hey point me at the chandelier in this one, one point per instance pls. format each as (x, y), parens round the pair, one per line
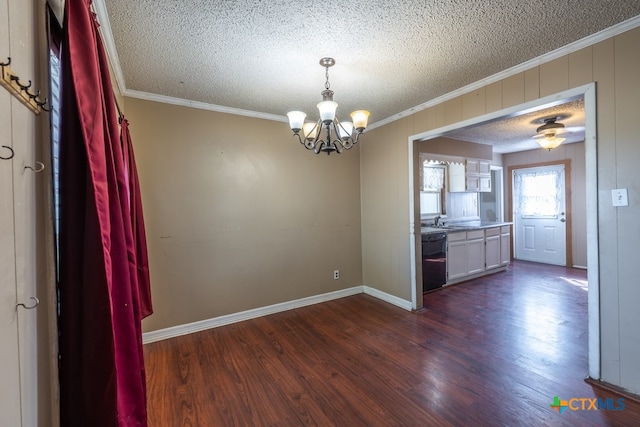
(345, 134)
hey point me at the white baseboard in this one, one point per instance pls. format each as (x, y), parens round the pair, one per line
(203, 325)
(391, 299)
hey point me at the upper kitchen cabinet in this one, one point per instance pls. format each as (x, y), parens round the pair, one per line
(472, 176)
(478, 175)
(457, 178)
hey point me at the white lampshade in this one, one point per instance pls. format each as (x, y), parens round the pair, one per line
(360, 118)
(327, 110)
(550, 142)
(310, 130)
(296, 119)
(345, 129)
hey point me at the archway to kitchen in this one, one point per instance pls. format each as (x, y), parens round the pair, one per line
(587, 93)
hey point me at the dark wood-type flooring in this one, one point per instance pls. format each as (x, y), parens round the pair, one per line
(490, 352)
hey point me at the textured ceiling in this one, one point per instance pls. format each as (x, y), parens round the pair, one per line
(391, 55)
(515, 133)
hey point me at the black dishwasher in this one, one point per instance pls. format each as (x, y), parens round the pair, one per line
(434, 261)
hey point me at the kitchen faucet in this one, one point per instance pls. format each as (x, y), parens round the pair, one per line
(436, 220)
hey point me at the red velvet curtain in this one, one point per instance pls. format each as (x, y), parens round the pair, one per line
(103, 284)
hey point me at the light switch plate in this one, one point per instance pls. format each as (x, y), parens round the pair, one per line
(619, 197)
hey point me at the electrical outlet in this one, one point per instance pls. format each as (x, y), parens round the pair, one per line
(336, 274)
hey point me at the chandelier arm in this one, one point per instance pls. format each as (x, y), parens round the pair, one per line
(310, 144)
(299, 137)
(347, 143)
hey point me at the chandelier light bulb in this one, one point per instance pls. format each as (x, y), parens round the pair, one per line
(345, 130)
(296, 119)
(360, 118)
(327, 111)
(310, 130)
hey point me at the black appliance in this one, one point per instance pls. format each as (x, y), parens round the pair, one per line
(434, 261)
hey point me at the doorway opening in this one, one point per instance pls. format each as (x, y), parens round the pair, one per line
(588, 95)
(491, 204)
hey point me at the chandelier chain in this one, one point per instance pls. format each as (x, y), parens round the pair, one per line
(326, 73)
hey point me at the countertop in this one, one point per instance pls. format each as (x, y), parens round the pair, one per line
(463, 226)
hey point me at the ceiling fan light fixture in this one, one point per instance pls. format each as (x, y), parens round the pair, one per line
(550, 126)
(546, 134)
(550, 141)
(344, 135)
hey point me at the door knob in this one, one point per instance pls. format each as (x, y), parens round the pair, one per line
(562, 220)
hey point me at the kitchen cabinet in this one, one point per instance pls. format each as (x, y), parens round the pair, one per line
(474, 253)
(472, 176)
(505, 245)
(465, 254)
(493, 247)
(478, 175)
(478, 166)
(457, 178)
(456, 255)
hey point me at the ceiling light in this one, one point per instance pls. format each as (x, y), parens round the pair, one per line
(547, 133)
(345, 134)
(550, 141)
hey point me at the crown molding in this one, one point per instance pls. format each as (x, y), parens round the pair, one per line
(109, 43)
(542, 59)
(203, 105)
(112, 53)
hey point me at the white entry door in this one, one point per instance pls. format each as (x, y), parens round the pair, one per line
(539, 214)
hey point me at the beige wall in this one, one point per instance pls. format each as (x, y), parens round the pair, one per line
(576, 155)
(614, 65)
(239, 215)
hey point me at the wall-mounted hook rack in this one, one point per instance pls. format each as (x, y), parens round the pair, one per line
(22, 92)
(10, 155)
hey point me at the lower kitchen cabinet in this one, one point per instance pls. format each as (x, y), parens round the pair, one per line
(492, 248)
(505, 245)
(474, 253)
(456, 255)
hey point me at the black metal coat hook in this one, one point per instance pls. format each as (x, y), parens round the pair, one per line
(43, 103)
(2, 64)
(37, 301)
(12, 153)
(40, 167)
(22, 87)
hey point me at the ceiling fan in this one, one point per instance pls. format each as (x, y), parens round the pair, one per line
(547, 134)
